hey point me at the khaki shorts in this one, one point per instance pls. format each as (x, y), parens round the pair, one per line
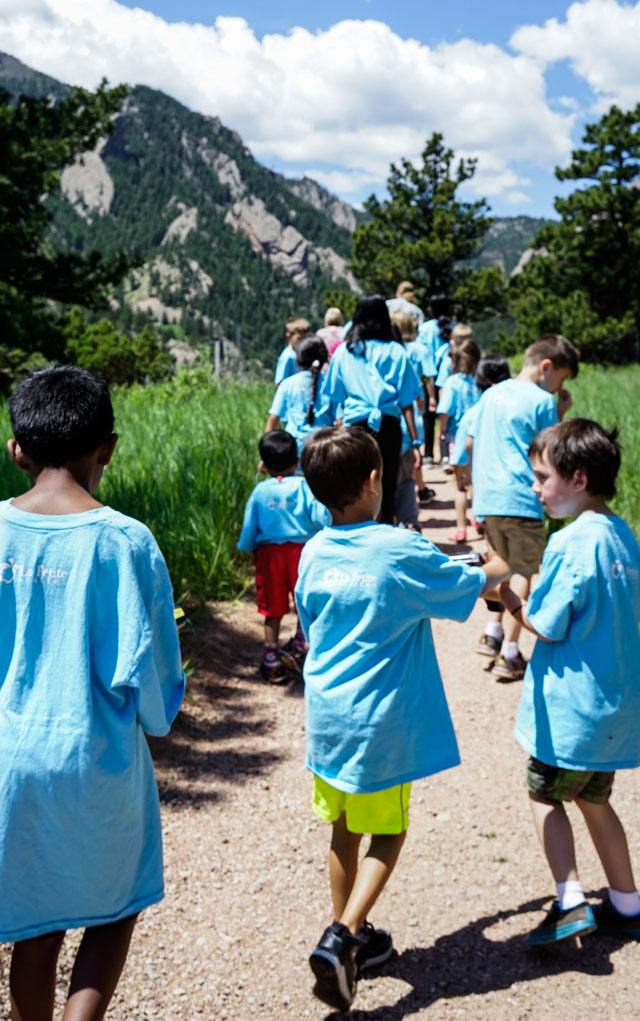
(519, 541)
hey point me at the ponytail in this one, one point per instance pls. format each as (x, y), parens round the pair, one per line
(315, 372)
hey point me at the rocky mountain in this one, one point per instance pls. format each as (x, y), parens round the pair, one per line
(225, 247)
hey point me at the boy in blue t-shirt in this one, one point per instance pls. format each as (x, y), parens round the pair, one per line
(376, 712)
(89, 664)
(281, 514)
(579, 715)
(509, 416)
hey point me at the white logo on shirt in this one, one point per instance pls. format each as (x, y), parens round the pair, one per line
(335, 578)
(11, 572)
(618, 570)
(286, 504)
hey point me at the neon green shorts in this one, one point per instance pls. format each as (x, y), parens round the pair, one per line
(381, 812)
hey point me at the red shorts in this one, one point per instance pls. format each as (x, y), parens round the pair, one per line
(276, 576)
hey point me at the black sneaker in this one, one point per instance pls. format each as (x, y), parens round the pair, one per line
(611, 923)
(559, 924)
(377, 948)
(333, 962)
(426, 495)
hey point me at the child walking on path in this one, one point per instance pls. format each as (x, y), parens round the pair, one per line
(377, 716)
(579, 715)
(509, 416)
(281, 514)
(300, 401)
(458, 395)
(89, 662)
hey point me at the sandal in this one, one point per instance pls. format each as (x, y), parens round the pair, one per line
(459, 536)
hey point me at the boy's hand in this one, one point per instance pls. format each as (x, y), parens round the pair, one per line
(565, 400)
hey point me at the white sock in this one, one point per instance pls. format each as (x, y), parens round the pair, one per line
(626, 903)
(493, 628)
(570, 894)
(509, 650)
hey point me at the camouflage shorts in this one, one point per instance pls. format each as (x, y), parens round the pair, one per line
(559, 784)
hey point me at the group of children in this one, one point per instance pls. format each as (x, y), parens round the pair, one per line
(376, 712)
(89, 660)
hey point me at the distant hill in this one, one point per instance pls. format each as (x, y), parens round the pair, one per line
(507, 239)
(227, 249)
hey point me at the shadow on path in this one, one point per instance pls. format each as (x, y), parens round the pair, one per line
(467, 963)
(215, 739)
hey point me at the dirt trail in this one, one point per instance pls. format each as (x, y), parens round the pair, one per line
(246, 882)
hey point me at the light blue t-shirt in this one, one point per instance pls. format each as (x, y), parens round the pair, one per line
(291, 404)
(379, 382)
(429, 335)
(279, 510)
(286, 365)
(580, 706)
(459, 393)
(443, 364)
(510, 415)
(89, 662)
(421, 358)
(460, 456)
(376, 711)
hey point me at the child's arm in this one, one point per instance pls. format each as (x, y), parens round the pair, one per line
(273, 421)
(513, 605)
(495, 571)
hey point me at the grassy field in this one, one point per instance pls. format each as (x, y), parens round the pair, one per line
(185, 464)
(187, 455)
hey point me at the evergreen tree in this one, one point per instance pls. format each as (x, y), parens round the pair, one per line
(423, 233)
(584, 281)
(38, 137)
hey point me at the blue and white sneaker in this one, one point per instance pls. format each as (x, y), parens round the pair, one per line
(559, 924)
(333, 962)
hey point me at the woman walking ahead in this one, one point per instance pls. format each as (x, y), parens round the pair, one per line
(372, 378)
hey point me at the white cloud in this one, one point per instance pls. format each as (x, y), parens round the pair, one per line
(341, 182)
(600, 39)
(354, 96)
(517, 198)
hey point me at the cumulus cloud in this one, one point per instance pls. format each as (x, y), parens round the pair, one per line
(355, 96)
(599, 38)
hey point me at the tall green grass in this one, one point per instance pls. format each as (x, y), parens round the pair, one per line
(187, 458)
(612, 397)
(185, 463)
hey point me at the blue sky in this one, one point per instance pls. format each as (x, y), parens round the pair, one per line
(336, 91)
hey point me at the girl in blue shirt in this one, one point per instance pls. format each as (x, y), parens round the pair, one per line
(301, 401)
(458, 395)
(372, 377)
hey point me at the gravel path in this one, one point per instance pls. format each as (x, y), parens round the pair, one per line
(247, 892)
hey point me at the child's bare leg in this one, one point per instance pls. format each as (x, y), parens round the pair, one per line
(343, 864)
(32, 977)
(371, 877)
(460, 498)
(520, 586)
(271, 630)
(97, 969)
(610, 842)
(556, 837)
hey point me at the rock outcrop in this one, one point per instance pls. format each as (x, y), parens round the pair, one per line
(87, 185)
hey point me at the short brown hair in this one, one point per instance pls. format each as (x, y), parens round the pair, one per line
(581, 445)
(336, 463)
(561, 353)
(299, 326)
